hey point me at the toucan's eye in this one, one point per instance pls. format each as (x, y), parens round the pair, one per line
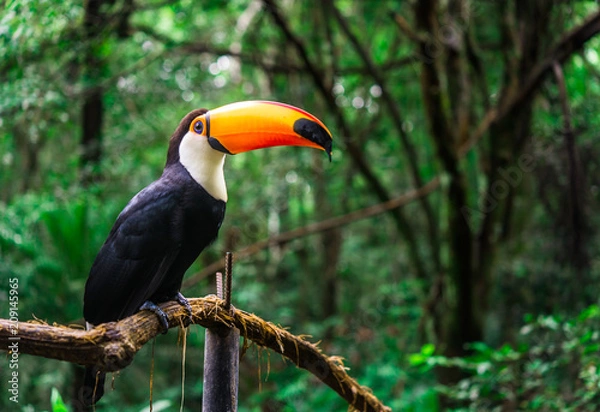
(199, 127)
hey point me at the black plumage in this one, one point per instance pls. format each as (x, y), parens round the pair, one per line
(153, 242)
(164, 227)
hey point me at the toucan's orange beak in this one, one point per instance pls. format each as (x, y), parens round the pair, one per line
(244, 126)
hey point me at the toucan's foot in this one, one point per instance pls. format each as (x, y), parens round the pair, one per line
(162, 316)
(185, 303)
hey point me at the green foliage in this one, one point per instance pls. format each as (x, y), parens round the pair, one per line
(377, 312)
(52, 249)
(553, 366)
(57, 402)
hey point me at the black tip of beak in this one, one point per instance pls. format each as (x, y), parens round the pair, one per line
(315, 133)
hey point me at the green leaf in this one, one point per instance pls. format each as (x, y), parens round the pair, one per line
(57, 402)
(428, 349)
(592, 311)
(416, 359)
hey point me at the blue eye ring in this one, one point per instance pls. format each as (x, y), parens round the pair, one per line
(199, 127)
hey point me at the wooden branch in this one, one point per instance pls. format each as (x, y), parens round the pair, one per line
(312, 69)
(491, 116)
(398, 121)
(475, 61)
(407, 30)
(318, 227)
(569, 44)
(197, 47)
(318, 77)
(356, 152)
(388, 99)
(112, 346)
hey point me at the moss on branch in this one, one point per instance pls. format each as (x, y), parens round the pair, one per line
(112, 346)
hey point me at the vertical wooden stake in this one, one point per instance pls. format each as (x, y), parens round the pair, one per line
(221, 357)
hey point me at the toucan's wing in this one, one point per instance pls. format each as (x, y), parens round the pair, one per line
(137, 255)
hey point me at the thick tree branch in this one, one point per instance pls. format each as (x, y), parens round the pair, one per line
(356, 153)
(491, 116)
(569, 44)
(113, 345)
(476, 64)
(257, 59)
(318, 227)
(387, 98)
(515, 104)
(397, 119)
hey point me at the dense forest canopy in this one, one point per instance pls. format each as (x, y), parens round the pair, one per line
(447, 253)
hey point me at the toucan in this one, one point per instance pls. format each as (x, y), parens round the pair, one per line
(163, 229)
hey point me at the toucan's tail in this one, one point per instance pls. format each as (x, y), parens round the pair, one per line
(93, 386)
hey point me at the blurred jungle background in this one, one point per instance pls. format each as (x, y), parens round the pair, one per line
(463, 273)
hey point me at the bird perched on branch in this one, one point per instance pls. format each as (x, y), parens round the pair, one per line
(164, 227)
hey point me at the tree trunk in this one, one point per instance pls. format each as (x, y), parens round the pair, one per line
(98, 24)
(92, 111)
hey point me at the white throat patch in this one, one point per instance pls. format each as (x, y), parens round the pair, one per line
(204, 164)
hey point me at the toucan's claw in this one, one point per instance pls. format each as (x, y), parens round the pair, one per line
(185, 303)
(162, 316)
